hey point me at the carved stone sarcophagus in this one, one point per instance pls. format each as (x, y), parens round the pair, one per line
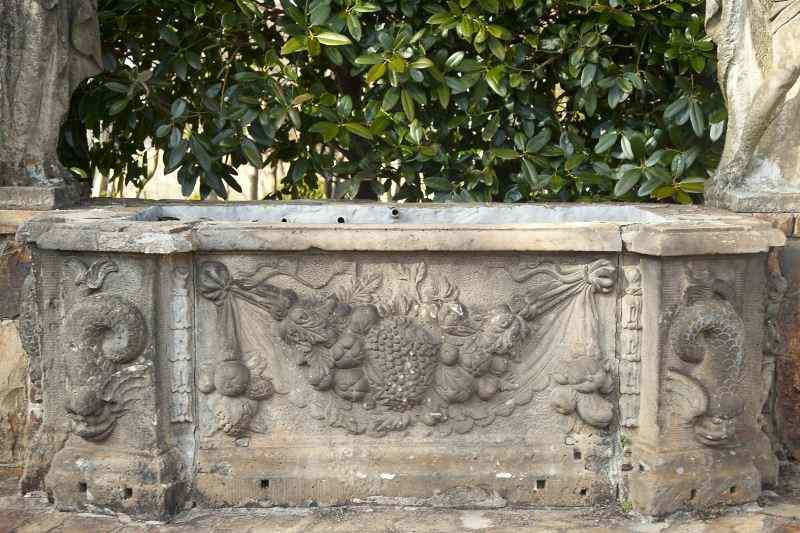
(323, 354)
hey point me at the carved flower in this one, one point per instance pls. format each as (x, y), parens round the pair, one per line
(214, 281)
(311, 322)
(503, 330)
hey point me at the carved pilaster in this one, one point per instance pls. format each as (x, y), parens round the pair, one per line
(181, 355)
(631, 345)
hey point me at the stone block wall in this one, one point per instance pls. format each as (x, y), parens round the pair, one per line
(14, 266)
(783, 408)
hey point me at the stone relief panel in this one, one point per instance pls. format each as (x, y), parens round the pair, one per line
(105, 337)
(383, 347)
(707, 336)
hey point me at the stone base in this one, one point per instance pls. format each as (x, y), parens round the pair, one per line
(766, 201)
(418, 473)
(665, 482)
(42, 198)
(144, 485)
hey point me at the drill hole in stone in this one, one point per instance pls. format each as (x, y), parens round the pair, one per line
(340, 220)
(395, 212)
(576, 454)
(641, 467)
(284, 219)
(264, 483)
(541, 484)
(128, 493)
(584, 492)
(82, 487)
(692, 494)
(732, 490)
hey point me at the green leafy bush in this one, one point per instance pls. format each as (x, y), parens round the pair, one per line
(508, 100)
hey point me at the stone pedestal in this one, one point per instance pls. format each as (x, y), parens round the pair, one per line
(756, 201)
(43, 198)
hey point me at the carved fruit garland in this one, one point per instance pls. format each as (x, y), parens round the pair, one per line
(418, 355)
(235, 388)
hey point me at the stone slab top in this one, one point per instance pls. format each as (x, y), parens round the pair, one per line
(167, 227)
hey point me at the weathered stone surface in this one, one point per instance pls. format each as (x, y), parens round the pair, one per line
(778, 514)
(14, 266)
(42, 198)
(14, 262)
(46, 50)
(13, 401)
(221, 356)
(782, 221)
(787, 402)
(759, 68)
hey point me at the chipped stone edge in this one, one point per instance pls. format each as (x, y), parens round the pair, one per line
(683, 231)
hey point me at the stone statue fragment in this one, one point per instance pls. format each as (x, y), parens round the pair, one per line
(47, 48)
(759, 66)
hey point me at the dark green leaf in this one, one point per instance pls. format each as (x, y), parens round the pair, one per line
(330, 38)
(606, 142)
(252, 153)
(627, 182)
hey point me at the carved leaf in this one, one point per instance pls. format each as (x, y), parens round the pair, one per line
(392, 422)
(361, 290)
(419, 270)
(96, 275)
(93, 277)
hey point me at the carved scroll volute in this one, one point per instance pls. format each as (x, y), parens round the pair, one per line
(105, 337)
